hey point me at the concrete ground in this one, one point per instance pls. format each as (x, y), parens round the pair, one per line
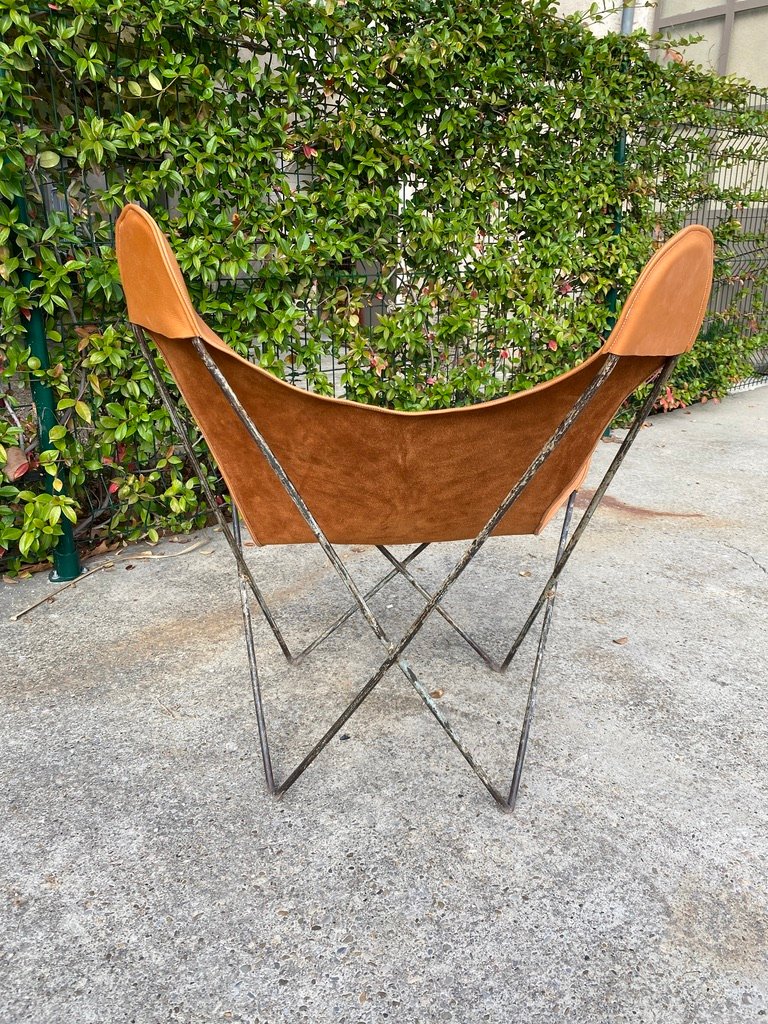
(146, 876)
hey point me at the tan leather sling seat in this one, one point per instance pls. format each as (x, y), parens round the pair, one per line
(373, 476)
(376, 476)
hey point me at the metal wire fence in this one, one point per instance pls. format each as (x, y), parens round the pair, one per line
(733, 203)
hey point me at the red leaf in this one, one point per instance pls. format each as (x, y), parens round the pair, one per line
(17, 463)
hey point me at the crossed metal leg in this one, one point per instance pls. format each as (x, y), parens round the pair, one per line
(421, 690)
(395, 651)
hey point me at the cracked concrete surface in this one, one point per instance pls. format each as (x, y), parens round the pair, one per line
(146, 876)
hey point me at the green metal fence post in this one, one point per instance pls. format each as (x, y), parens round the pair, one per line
(620, 157)
(66, 560)
(620, 149)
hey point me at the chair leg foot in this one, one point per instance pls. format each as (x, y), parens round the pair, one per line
(252, 665)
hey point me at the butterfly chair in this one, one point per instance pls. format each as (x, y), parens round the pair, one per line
(302, 468)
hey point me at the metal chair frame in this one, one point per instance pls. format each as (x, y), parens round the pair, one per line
(395, 650)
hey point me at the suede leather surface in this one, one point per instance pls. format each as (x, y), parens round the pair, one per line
(375, 476)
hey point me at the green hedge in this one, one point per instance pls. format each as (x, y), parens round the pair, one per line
(422, 195)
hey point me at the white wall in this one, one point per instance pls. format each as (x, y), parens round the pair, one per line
(643, 16)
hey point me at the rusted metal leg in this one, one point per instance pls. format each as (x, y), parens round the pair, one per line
(181, 430)
(401, 567)
(252, 665)
(530, 706)
(590, 510)
(457, 741)
(394, 651)
(353, 608)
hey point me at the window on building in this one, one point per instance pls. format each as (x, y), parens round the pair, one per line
(735, 34)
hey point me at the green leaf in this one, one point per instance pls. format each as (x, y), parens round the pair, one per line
(49, 159)
(83, 411)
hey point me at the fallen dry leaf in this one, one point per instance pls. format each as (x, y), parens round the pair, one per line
(103, 548)
(621, 640)
(37, 567)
